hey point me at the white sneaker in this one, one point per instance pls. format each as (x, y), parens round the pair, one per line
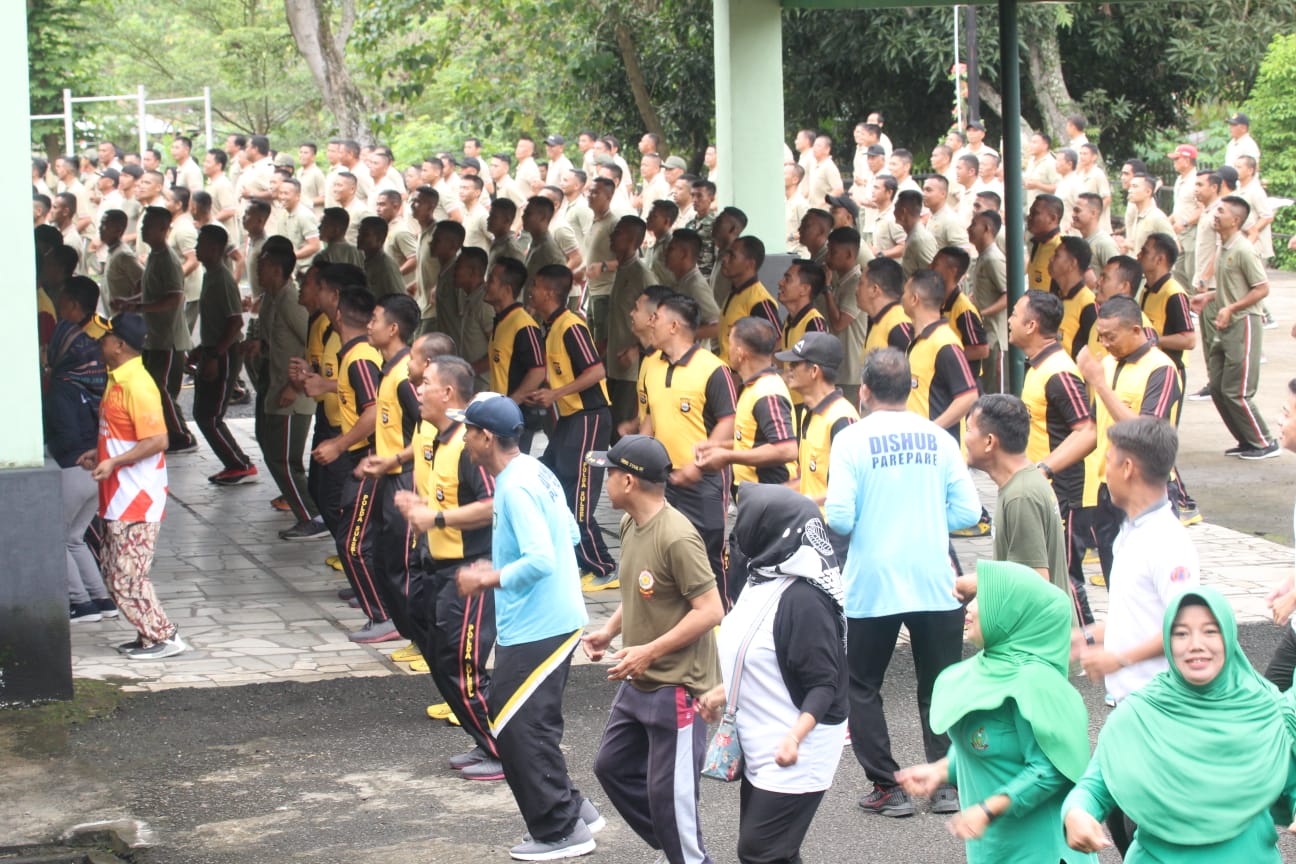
(579, 842)
(159, 650)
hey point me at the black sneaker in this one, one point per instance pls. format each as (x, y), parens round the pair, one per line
(888, 801)
(133, 645)
(1236, 451)
(183, 446)
(945, 799)
(1258, 453)
(304, 531)
(107, 608)
(159, 650)
(86, 611)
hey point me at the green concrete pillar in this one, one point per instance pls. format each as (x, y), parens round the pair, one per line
(749, 113)
(35, 659)
(1010, 76)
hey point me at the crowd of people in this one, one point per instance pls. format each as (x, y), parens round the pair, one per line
(420, 327)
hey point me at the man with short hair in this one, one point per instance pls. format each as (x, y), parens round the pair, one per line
(1236, 334)
(1067, 269)
(630, 279)
(65, 168)
(182, 238)
(215, 363)
(1062, 430)
(794, 207)
(655, 187)
(965, 181)
(350, 162)
(824, 179)
(1086, 218)
(650, 758)
(1135, 378)
(1240, 142)
(381, 272)
(681, 257)
(63, 216)
(599, 259)
(346, 193)
(187, 172)
(748, 297)
(703, 222)
(1186, 210)
(944, 223)
(1144, 217)
(299, 224)
(224, 198)
(1208, 194)
(129, 464)
(687, 398)
(254, 181)
(516, 356)
(1043, 222)
(898, 486)
(764, 445)
(840, 308)
(1093, 178)
(1028, 523)
(990, 297)
(944, 387)
(920, 246)
(1258, 226)
(1039, 174)
(234, 152)
(122, 271)
(472, 342)
(311, 177)
(880, 294)
(539, 614)
(544, 251)
(801, 284)
(333, 231)
(559, 164)
(1068, 185)
(660, 222)
(900, 164)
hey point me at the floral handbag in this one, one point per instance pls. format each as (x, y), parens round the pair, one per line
(724, 756)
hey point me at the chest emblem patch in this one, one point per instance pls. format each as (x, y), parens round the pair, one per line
(646, 583)
(979, 741)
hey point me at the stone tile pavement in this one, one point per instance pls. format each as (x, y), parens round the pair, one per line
(254, 608)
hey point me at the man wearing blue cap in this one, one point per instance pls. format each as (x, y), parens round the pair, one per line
(539, 615)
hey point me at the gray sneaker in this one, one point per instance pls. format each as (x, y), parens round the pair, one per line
(486, 769)
(159, 650)
(579, 842)
(945, 799)
(590, 815)
(472, 757)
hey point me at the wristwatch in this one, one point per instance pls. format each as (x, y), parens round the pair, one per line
(1048, 472)
(439, 521)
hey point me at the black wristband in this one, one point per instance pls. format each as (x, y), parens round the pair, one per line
(439, 521)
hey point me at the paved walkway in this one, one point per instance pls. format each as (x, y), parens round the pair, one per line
(254, 608)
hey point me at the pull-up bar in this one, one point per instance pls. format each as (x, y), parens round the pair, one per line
(142, 102)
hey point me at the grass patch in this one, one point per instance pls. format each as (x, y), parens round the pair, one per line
(43, 729)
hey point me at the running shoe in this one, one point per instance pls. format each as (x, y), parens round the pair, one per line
(887, 801)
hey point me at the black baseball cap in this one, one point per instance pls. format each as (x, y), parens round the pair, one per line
(639, 455)
(875, 150)
(821, 349)
(126, 326)
(845, 202)
(1239, 119)
(555, 140)
(498, 415)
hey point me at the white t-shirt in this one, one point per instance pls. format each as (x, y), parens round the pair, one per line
(765, 709)
(1153, 562)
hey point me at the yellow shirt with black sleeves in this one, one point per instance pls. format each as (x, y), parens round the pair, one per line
(808, 320)
(516, 347)
(1041, 253)
(747, 300)
(763, 416)
(322, 346)
(1058, 402)
(964, 317)
(891, 329)
(1147, 382)
(685, 399)
(1079, 312)
(358, 377)
(446, 478)
(569, 351)
(398, 410)
(1165, 306)
(822, 423)
(940, 372)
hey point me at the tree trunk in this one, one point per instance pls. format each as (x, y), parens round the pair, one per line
(638, 86)
(325, 55)
(1044, 67)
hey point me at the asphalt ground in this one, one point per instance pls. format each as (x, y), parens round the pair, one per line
(351, 770)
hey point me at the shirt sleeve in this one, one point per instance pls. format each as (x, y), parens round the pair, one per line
(580, 348)
(720, 395)
(411, 410)
(474, 478)
(962, 506)
(1252, 270)
(971, 329)
(538, 558)
(1088, 316)
(840, 506)
(1177, 319)
(842, 423)
(527, 350)
(816, 325)
(690, 566)
(363, 376)
(901, 336)
(1090, 794)
(767, 310)
(1038, 779)
(1018, 537)
(952, 366)
(1161, 394)
(774, 419)
(146, 412)
(808, 647)
(1066, 393)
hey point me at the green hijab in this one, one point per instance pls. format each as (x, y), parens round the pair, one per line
(1194, 765)
(1026, 625)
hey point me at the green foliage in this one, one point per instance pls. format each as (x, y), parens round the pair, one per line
(62, 42)
(1273, 124)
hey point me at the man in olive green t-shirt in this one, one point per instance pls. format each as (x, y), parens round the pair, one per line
(1028, 524)
(669, 608)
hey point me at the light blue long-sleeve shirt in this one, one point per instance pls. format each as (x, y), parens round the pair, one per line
(533, 546)
(898, 485)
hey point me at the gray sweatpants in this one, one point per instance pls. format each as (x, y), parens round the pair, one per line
(80, 503)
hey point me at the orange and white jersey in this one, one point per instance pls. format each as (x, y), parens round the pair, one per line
(131, 411)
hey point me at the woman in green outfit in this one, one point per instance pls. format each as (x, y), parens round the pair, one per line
(1198, 756)
(1019, 732)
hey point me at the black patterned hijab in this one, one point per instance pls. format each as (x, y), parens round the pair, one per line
(779, 532)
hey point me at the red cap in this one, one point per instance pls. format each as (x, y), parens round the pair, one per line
(1187, 150)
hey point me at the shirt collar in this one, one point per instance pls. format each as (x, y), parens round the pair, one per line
(1137, 354)
(448, 434)
(354, 342)
(1070, 295)
(391, 364)
(1153, 287)
(1142, 518)
(684, 358)
(768, 370)
(930, 329)
(1044, 353)
(826, 402)
(126, 369)
(506, 311)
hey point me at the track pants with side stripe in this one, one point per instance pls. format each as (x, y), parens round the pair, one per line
(1234, 368)
(167, 370)
(459, 633)
(649, 764)
(395, 551)
(527, 722)
(283, 443)
(211, 398)
(573, 437)
(357, 533)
